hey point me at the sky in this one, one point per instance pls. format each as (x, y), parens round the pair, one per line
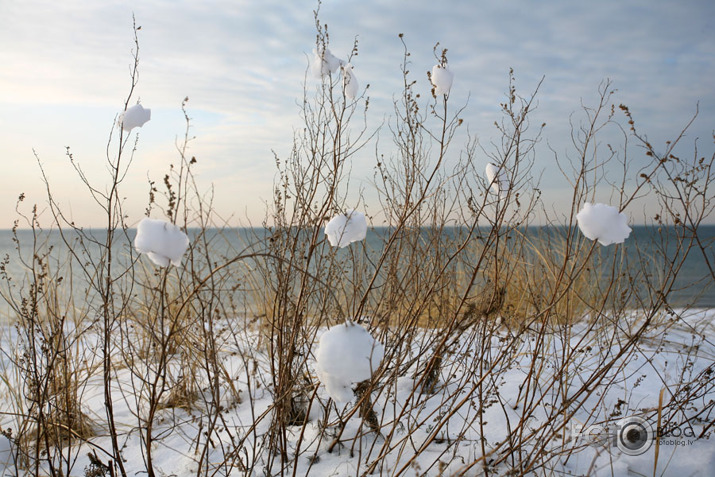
(64, 75)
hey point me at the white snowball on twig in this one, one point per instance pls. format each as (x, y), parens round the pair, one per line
(350, 82)
(134, 116)
(162, 241)
(324, 62)
(347, 354)
(442, 79)
(603, 223)
(498, 180)
(344, 229)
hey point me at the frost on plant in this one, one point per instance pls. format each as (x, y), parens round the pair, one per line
(498, 180)
(347, 354)
(162, 241)
(350, 82)
(134, 116)
(441, 79)
(603, 223)
(324, 62)
(344, 229)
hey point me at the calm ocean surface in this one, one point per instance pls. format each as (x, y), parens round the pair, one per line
(693, 287)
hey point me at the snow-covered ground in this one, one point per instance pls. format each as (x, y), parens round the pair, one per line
(437, 431)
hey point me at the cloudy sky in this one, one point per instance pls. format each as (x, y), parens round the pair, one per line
(64, 74)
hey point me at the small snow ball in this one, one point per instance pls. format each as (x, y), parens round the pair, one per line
(603, 223)
(347, 354)
(162, 241)
(324, 62)
(350, 82)
(441, 78)
(134, 116)
(497, 180)
(344, 229)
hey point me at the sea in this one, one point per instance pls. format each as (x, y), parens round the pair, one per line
(694, 286)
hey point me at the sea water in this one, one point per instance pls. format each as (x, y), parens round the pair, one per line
(653, 246)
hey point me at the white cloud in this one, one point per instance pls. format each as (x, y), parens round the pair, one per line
(243, 63)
